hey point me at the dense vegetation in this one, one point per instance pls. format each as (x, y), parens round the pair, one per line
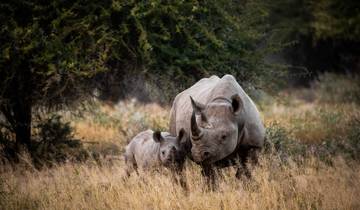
(325, 34)
(59, 53)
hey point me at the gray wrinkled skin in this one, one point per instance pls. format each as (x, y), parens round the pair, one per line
(146, 151)
(226, 122)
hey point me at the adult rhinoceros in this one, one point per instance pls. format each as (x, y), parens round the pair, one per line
(223, 122)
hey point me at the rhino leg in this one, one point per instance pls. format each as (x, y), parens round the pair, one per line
(209, 173)
(180, 178)
(254, 155)
(246, 155)
(243, 170)
(130, 164)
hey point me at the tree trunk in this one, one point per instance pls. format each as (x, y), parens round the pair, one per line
(22, 115)
(17, 108)
(21, 106)
(18, 114)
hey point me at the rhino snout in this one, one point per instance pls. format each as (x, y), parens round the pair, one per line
(206, 154)
(174, 155)
(202, 156)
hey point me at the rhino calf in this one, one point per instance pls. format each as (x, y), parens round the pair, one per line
(150, 150)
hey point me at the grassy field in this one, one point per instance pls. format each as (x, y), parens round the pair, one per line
(311, 160)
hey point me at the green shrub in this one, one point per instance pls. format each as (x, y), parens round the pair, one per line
(7, 147)
(353, 139)
(347, 146)
(279, 141)
(54, 143)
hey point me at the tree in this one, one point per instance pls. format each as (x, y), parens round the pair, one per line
(56, 54)
(336, 19)
(49, 53)
(325, 33)
(174, 43)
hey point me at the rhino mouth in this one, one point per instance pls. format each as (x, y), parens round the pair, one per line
(204, 161)
(174, 160)
(173, 164)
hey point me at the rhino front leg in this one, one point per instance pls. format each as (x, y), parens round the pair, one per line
(254, 155)
(209, 173)
(180, 178)
(247, 155)
(243, 170)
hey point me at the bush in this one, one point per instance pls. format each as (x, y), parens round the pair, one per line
(348, 146)
(279, 141)
(54, 143)
(354, 139)
(7, 147)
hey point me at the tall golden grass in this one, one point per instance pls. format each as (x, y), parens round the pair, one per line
(119, 123)
(311, 184)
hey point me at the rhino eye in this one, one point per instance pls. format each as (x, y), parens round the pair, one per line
(163, 152)
(223, 137)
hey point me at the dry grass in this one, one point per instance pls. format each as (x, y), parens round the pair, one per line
(312, 122)
(119, 123)
(276, 184)
(310, 186)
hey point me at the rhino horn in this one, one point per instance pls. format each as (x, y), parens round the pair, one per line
(195, 129)
(197, 107)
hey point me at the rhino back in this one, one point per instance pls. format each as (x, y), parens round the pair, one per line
(181, 109)
(145, 149)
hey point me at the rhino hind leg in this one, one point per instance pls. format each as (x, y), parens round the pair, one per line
(130, 164)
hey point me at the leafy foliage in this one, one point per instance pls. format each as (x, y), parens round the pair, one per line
(49, 53)
(49, 50)
(348, 146)
(280, 142)
(324, 34)
(336, 19)
(175, 43)
(59, 53)
(319, 19)
(55, 143)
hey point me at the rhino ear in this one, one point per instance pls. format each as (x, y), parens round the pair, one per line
(181, 136)
(197, 107)
(236, 103)
(157, 137)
